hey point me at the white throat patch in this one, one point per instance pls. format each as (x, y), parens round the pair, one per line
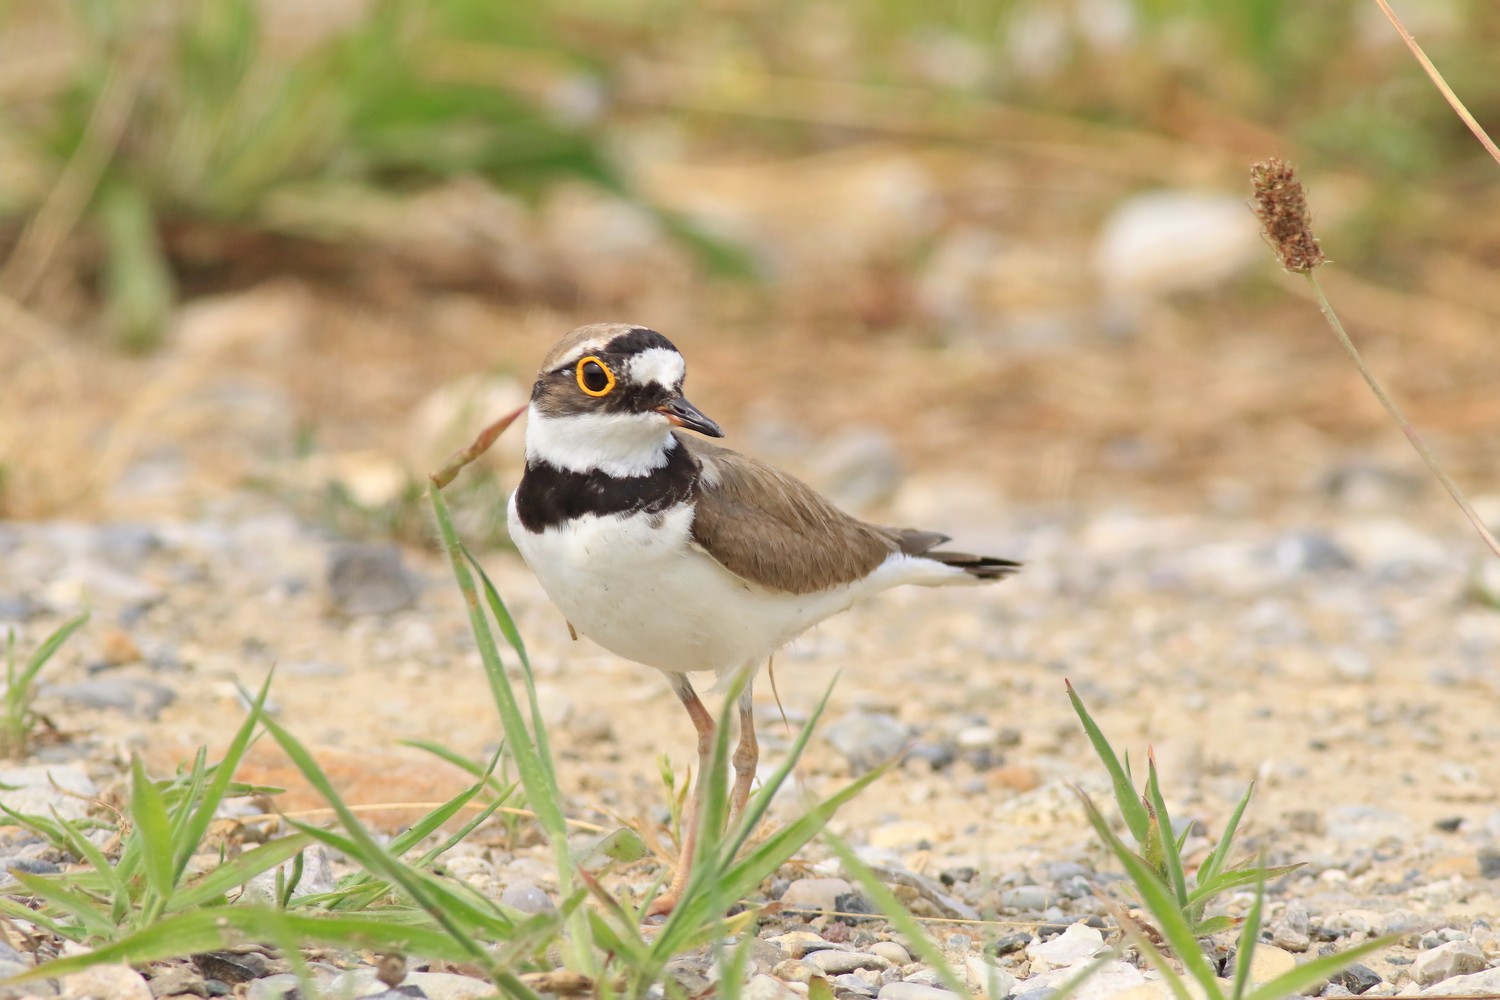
(661, 365)
(616, 444)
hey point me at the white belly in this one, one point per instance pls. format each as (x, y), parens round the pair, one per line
(639, 588)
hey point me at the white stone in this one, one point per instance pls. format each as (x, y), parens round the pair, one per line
(815, 894)
(1165, 241)
(1447, 961)
(1078, 943)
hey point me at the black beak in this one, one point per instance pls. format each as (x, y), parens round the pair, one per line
(684, 414)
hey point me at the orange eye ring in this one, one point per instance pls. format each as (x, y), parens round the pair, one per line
(586, 374)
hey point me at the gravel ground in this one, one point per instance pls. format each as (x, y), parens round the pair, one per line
(1339, 657)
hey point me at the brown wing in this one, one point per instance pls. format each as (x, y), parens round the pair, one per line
(775, 530)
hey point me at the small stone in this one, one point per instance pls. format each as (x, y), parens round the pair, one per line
(1026, 899)
(988, 978)
(815, 894)
(175, 980)
(315, 880)
(764, 987)
(232, 966)
(795, 944)
(272, 987)
(831, 963)
(39, 789)
(851, 985)
(892, 952)
(1478, 984)
(914, 991)
(135, 696)
(1007, 943)
(867, 739)
(1078, 943)
(1291, 932)
(369, 579)
(527, 897)
(935, 755)
(1447, 961)
(850, 903)
(118, 982)
(1489, 862)
(958, 943)
(795, 971)
(1309, 552)
(1356, 978)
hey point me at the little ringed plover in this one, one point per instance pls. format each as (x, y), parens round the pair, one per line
(683, 555)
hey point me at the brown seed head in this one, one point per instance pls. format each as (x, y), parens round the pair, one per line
(1286, 223)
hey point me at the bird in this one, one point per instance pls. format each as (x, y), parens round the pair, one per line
(680, 554)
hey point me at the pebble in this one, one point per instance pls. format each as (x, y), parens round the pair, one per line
(1171, 240)
(1291, 932)
(1477, 984)
(914, 991)
(369, 579)
(434, 985)
(984, 976)
(867, 739)
(316, 879)
(41, 789)
(135, 696)
(527, 897)
(795, 944)
(1026, 899)
(820, 894)
(764, 987)
(892, 952)
(1356, 978)
(1447, 961)
(851, 985)
(117, 982)
(1078, 943)
(830, 962)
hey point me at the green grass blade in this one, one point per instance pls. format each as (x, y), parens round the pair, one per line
(1249, 935)
(1129, 802)
(236, 872)
(191, 833)
(464, 764)
(503, 620)
(1215, 862)
(536, 776)
(507, 626)
(47, 649)
(88, 912)
(208, 929)
(1171, 859)
(152, 834)
(1156, 897)
(1235, 878)
(880, 894)
(1209, 990)
(368, 853)
(695, 919)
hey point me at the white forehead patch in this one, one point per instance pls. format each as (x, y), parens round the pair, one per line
(661, 365)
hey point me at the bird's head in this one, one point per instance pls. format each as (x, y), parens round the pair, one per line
(606, 398)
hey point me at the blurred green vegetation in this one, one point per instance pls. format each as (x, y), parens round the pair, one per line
(122, 118)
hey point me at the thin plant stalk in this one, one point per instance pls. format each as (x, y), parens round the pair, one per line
(1394, 410)
(1439, 82)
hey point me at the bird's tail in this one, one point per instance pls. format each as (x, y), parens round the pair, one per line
(978, 567)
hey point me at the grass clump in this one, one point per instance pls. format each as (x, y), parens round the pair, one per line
(1177, 904)
(18, 719)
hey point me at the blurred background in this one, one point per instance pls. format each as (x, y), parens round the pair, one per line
(308, 247)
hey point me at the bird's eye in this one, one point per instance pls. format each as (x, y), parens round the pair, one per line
(594, 376)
